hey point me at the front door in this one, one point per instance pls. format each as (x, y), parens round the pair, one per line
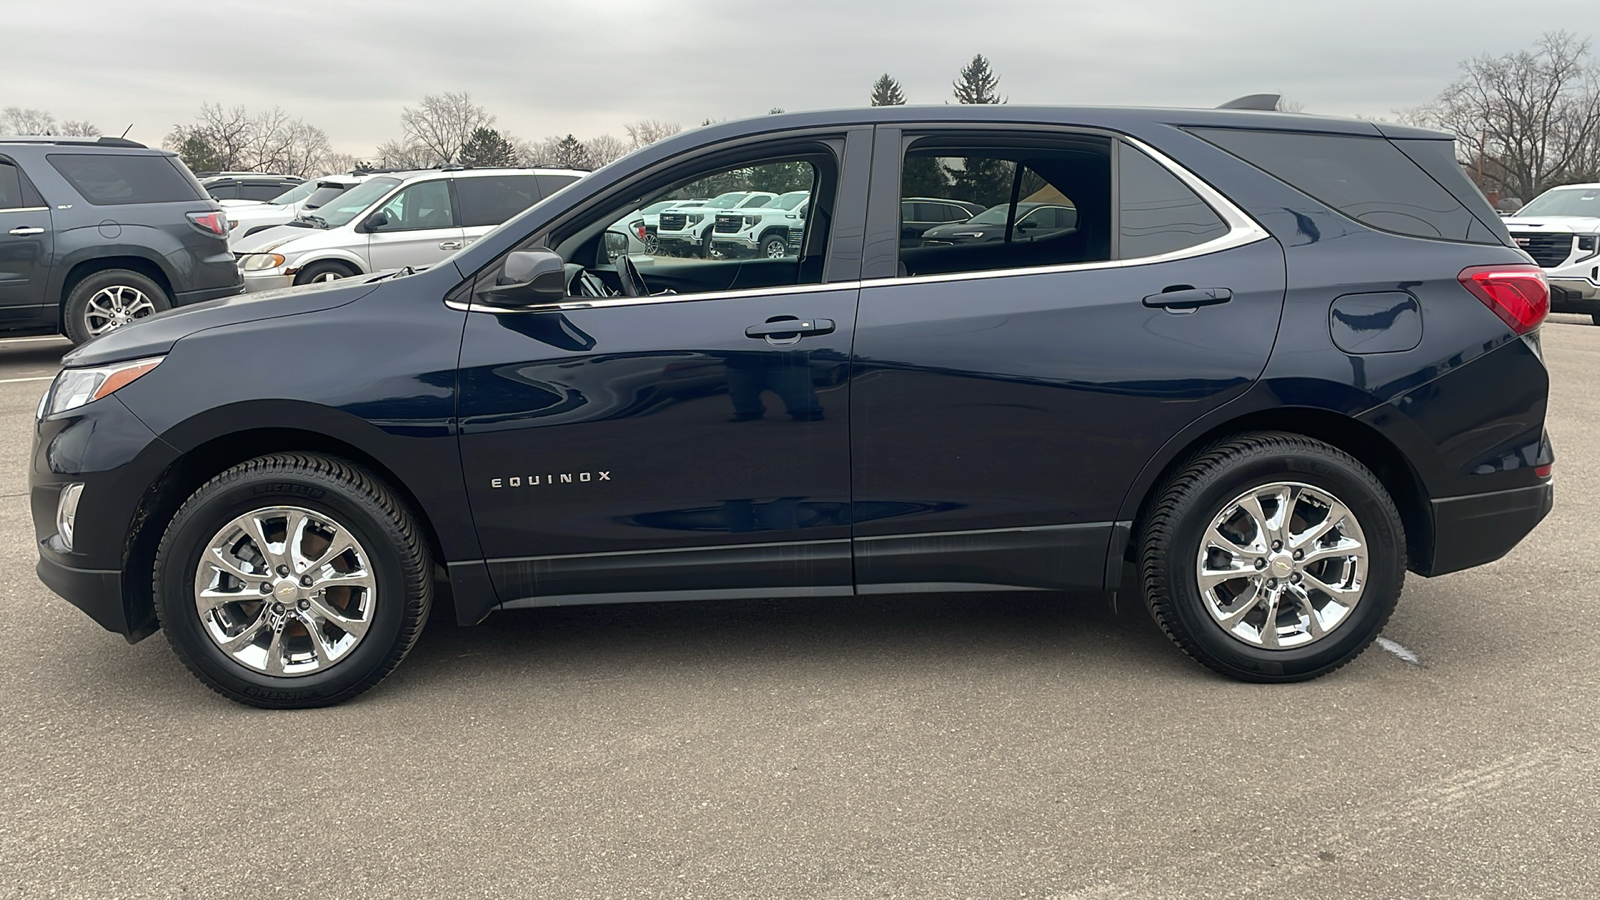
(693, 443)
(1008, 391)
(417, 227)
(25, 247)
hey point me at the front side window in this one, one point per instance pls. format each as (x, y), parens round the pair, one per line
(711, 236)
(492, 199)
(421, 206)
(106, 179)
(1158, 213)
(1044, 201)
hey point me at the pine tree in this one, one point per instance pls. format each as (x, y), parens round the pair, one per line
(487, 147)
(886, 92)
(978, 84)
(571, 154)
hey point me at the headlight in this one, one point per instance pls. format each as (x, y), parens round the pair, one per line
(257, 262)
(75, 387)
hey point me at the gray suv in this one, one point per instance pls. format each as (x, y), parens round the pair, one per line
(95, 233)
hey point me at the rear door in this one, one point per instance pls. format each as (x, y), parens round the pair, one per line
(1005, 394)
(26, 240)
(418, 226)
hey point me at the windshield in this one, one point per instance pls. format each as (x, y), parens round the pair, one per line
(790, 201)
(1564, 202)
(296, 194)
(654, 208)
(994, 215)
(726, 201)
(756, 201)
(323, 194)
(355, 201)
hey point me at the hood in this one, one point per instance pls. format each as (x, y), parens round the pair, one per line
(156, 335)
(1536, 224)
(277, 234)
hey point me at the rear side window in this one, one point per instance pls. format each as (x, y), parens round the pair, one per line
(116, 180)
(225, 190)
(1366, 178)
(1159, 213)
(263, 192)
(549, 184)
(15, 192)
(492, 199)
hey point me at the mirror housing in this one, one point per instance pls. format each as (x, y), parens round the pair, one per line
(614, 244)
(528, 278)
(377, 220)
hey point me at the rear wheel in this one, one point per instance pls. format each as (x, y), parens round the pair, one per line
(292, 581)
(105, 301)
(1273, 557)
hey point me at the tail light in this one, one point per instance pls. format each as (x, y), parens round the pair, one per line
(213, 223)
(639, 229)
(1519, 295)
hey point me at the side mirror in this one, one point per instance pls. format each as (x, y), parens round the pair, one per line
(527, 278)
(616, 244)
(378, 221)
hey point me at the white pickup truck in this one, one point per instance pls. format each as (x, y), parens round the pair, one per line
(686, 231)
(1560, 229)
(762, 231)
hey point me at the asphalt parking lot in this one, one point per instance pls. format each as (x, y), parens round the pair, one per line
(954, 746)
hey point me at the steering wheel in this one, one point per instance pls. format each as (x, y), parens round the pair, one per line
(628, 275)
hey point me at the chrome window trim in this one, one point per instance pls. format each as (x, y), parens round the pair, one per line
(1242, 231)
(23, 209)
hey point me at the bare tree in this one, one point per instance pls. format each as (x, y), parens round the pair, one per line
(442, 124)
(339, 162)
(606, 149)
(1527, 120)
(647, 131)
(234, 140)
(396, 154)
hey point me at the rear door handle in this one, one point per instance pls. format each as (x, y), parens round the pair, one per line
(450, 245)
(789, 330)
(26, 231)
(1188, 298)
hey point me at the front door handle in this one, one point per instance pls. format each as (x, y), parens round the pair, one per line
(26, 231)
(787, 329)
(450, 245)
(1183, 297)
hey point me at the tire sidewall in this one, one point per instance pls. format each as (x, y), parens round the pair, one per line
(75, 314)
(316, 270)
(1362, 495)
(191, 533)
(769, 239)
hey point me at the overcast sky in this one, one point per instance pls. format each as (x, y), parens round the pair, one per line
(548, 67)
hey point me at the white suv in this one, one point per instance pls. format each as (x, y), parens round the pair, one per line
(686, 231)
(1560, 229)
(762, 231)
(246, 217)
(393, 220)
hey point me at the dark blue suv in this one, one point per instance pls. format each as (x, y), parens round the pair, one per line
(1257, 368)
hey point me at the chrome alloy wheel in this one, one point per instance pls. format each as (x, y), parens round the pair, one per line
(285, 591)
(325, 277)
(113, 307)
(1282, 566)
(776, 248)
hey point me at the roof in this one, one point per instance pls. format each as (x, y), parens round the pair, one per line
(68, 140)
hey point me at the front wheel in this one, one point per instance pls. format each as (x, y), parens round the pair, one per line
(775, 246)
(322, 271)
(1273, 557)
(292, 581)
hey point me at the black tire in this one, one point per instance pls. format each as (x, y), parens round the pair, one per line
(1595, 318)
(78, 319)
(323, 271)
(774, 239)
(372, 514)
(1202, 489)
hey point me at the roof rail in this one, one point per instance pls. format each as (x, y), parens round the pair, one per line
(1261, 102)
(65, 139)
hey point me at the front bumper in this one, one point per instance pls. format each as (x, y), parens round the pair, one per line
(266, 281)
(1575, 295)
(104, 447)
(1480, 528)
